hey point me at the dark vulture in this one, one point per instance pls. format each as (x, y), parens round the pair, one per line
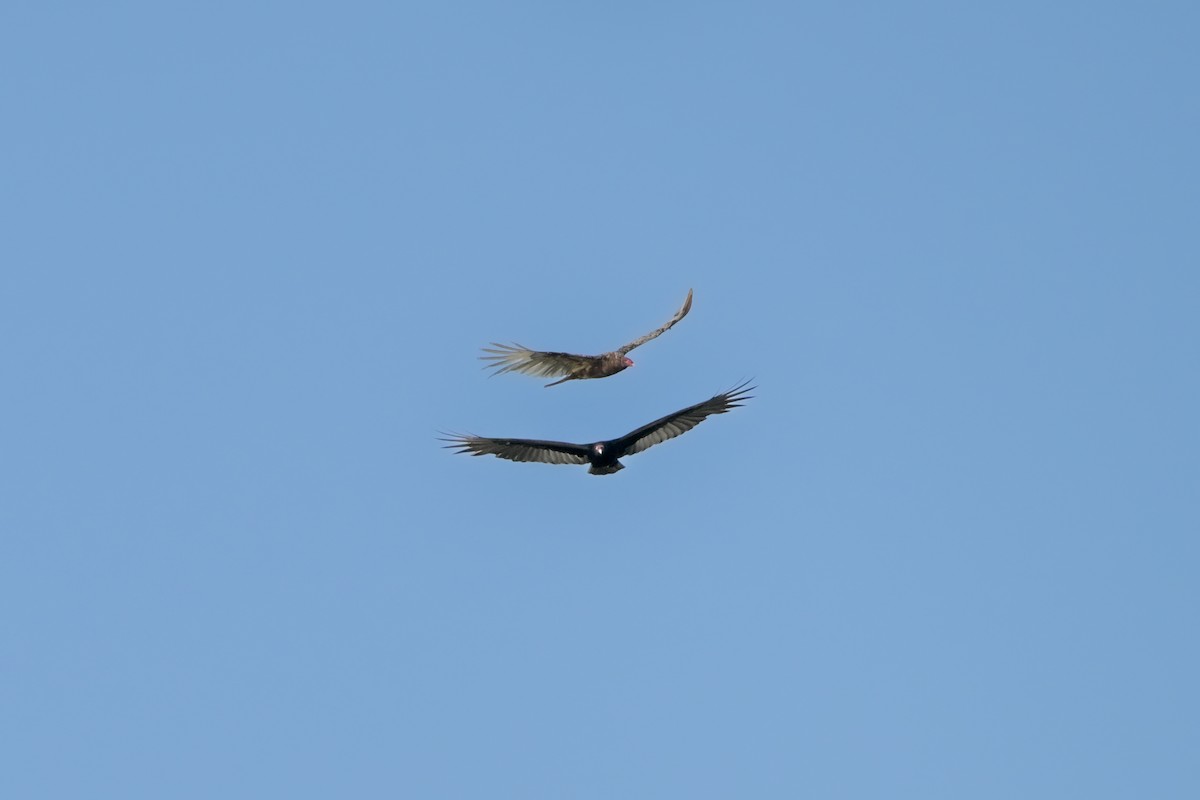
(602, 455)
(568, 366)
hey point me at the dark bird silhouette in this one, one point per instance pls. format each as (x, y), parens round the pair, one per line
(544, 364)
(602, 455)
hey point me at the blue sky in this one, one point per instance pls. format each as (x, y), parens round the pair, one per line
(251, 252)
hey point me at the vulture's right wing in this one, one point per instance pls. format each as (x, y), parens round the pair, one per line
(519, 449)
(515, 358)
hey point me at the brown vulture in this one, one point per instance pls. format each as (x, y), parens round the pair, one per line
(602, 455)
(568, 366)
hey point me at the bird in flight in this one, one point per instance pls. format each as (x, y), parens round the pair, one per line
(568, 366)
(602, 456)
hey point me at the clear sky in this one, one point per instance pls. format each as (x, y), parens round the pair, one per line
(250, 252)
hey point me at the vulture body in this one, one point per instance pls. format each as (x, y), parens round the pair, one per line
(568, 366)
(602, 456)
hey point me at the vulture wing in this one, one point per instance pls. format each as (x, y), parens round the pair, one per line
(680, 314)
(681, 422)
(519, 449)
(515, 358)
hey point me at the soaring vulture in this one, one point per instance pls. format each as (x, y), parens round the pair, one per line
(543, 364)
(602, 455)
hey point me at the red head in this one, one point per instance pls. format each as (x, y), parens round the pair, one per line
(628, 362)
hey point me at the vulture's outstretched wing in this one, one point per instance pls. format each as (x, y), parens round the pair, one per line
(519, 449)
(569, 366)
(516, 358)
(682, 421)
(680, 314)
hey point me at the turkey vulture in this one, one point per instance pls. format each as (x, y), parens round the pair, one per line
(542, 364)
(602, 455)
